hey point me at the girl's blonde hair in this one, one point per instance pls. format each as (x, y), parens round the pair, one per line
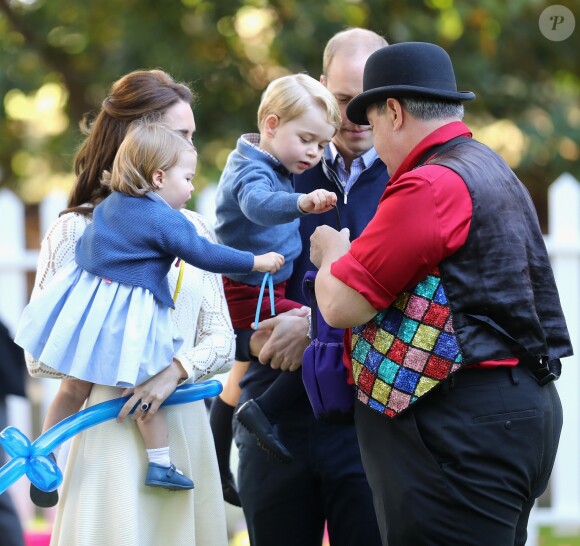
(148, 147)
(291, 96)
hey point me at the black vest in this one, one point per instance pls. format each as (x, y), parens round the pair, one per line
(500, 284)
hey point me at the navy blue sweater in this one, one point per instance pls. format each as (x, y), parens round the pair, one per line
(134, 240)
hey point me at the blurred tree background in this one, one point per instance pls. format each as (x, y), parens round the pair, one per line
(58, 58)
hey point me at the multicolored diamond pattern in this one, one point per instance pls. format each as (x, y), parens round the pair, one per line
(406, 350)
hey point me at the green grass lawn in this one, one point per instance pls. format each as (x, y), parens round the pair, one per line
(547, 538)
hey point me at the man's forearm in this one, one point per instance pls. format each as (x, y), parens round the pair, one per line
(340, 305)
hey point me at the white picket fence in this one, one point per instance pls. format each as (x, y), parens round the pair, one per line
(563, 242)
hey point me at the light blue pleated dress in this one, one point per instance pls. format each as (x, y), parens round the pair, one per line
(101, 331)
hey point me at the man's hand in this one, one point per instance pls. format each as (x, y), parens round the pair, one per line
(340, 305)
(286, 338)
(327, 245)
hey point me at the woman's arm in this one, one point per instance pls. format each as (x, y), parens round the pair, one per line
(154, 390)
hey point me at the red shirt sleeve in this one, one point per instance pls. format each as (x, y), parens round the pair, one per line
(423, 217)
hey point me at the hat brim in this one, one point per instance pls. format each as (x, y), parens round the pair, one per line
(356, 110)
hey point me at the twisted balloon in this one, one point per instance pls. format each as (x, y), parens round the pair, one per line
(33, 458)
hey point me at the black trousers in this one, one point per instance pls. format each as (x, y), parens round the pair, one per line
(288, 504)
(463, 466)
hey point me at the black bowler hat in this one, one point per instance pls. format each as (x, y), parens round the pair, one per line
(408, 69)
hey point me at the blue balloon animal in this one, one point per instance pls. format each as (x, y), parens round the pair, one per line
(33, 459)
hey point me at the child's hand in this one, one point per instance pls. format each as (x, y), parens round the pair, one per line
(317, 202)
(270, 262)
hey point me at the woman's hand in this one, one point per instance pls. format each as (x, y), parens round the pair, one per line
(154, 391)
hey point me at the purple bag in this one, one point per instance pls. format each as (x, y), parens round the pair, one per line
(323, 372)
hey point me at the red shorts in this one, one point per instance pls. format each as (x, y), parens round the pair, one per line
(243, 298)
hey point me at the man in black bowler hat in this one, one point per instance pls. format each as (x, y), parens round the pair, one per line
(456, 328)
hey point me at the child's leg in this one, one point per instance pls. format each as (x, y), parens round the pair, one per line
(260, 415)
(222, 412)
(251, 414)
(231, 391)
(154, 431)
(287, 387)
(161, 471)
(220, 420)
(69, 399)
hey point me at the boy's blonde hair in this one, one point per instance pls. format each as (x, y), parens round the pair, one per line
(149, 146)
(291, 96)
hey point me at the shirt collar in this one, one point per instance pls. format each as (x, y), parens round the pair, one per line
(439, 136)
(253, 140)
(331, 154)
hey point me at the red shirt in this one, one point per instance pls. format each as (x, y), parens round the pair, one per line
(422, 218)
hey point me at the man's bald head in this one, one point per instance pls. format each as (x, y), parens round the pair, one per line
(351, 42)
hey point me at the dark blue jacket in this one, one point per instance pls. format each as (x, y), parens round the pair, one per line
(363, 199)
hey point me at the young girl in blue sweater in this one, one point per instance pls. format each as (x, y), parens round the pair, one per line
(106, 317)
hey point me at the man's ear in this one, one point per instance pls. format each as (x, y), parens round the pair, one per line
(158, 179)
(395, 113)
(271, 123)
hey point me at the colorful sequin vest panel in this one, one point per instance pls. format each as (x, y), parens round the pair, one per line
(405, 350)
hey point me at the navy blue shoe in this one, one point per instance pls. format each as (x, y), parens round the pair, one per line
(251, 416)
(44, 499)
(167, 477)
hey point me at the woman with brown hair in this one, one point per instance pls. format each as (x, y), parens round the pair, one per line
(103, 498)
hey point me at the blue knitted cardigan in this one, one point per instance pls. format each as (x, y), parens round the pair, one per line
(134, 240)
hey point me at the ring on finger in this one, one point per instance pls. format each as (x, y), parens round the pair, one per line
(145, 406)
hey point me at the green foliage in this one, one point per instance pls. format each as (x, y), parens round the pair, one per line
(230, 49)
